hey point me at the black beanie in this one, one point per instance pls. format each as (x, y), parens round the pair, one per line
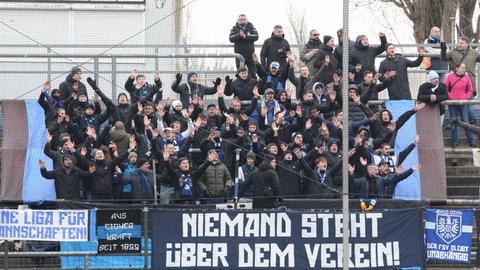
(141, 161)
(75, 70)
(66, 156)
(269, 158)
(326, 39)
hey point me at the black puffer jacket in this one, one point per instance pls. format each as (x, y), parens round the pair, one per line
(265, 181)
(326, 76)
(187, 90)
(274, 49)
(243, 45)
(101, 180)
(400, 86)
(241, 88)
(66, 88)
(365, 55)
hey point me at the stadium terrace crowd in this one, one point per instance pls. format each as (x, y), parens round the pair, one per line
(289, 141)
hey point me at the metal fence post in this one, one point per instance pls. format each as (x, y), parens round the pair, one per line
(49, 66)
(95, 69)
(114, 78)
(145, 236)
(156, 58)
(85, 262)
(5, 259)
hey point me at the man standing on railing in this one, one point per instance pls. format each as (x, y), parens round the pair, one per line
(400, 87)
(433, 91)
(243, 35)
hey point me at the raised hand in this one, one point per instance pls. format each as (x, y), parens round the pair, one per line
(49, 137)
(363, 161)
(217, 82)
(46, 86)
(41, 163)
(156, 75)
(351, 169)
(264, 111)
(419, 106)
(146, 121)
(178, 77)
(139, 107)
(255, 57)
(417, 138)
(255, 91)
(134, 74)
(220, 90)
(166, 155)
(416, 167)
(91, 169)
(308, 124)
(132, 144)
(95, 98)
(399, 169)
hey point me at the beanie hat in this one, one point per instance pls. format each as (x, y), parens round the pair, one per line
(340, 32)
(176, 103)
(251, 155)
(66, 156)
(269, 157)
(432, 75)
(132, 154)
(141, 161)
(326, 39)
(122, 94)
(359, 38)
(190, 74)
(75, 70)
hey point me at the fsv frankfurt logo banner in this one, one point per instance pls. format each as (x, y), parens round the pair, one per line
(449, 235)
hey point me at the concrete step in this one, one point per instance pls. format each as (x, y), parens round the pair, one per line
(463, 180)
(463, 170)
(466, 191)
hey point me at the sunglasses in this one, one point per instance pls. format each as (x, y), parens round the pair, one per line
(316, 35)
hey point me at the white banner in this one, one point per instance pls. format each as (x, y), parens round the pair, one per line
(44, 225)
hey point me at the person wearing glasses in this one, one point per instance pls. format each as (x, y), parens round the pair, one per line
(310, 50)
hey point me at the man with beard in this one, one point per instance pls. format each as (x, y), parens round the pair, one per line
(192, 88)
(216, 181)
(243, 35)
(400, 87)
(101, 181)
(67, 178)
(275, 49)
(121, 112)
(275, 78)
(433, 92)
(363, 55)
(310, 50)
(72, 84)
(325, 57)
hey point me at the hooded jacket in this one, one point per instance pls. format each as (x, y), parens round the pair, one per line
(265, 181)
(326, 76)
(67, 181)
(365, 55)
(307, 55)
(66, 87)
(274, 49)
